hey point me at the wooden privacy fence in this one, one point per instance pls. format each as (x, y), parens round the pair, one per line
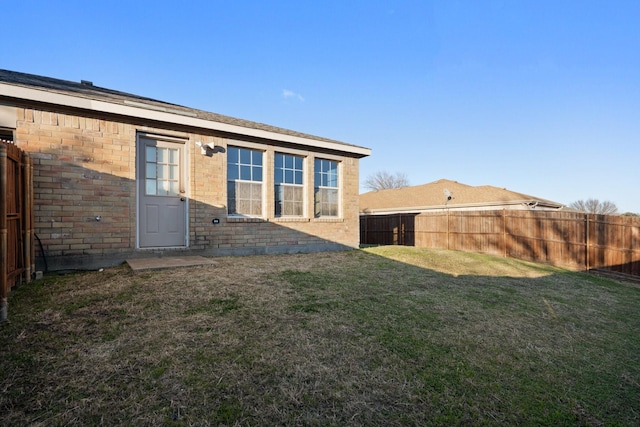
(568, 239)
(17, 256)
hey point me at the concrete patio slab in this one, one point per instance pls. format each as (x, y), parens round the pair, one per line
(137, 264)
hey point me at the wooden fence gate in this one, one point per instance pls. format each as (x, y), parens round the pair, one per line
(17, 254)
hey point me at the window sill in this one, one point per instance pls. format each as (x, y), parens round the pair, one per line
(245, 219)
(328, 219)
(291, 219)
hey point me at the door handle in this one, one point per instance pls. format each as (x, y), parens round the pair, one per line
(182, 199)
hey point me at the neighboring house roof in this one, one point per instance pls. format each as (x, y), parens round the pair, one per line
(87, 96)
(434, 196)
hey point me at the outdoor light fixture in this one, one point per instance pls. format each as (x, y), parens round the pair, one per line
(205, 148)
(448, 195)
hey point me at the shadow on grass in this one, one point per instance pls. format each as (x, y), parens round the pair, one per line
(382, 336)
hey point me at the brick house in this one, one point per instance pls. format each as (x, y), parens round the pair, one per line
(419, 215)
(120, 176)
(447, 195)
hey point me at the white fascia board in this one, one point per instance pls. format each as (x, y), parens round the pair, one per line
(55, 98)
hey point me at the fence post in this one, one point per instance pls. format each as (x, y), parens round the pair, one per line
(448, 246)
(4, 286)
(587, 264)
(366, 230)
(27, 227)
(32, 217)
(504, 231)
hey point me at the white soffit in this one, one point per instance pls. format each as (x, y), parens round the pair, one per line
(143, 111)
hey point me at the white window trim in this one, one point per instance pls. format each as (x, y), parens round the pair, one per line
(305, 164)
(340, 216)
(265, 163)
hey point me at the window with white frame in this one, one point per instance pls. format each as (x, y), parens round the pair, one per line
(244, 181)
(288, 185)
(326, 188)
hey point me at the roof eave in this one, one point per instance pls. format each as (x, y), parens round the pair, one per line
(139, 111)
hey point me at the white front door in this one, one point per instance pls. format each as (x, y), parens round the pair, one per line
(162, 202)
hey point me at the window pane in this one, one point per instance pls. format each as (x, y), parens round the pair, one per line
(298, 163)
(278, 199)
(173, 156)
(243, 191)
(243, 206)
(162, 155)
(257, 158)
(278, 161)
(150, 154)
(163, 188)
(326, 202)
(173, 172)
(245, 198)
(232, 155)
(289, 200)
(288, 176)
(318, 173)
(256, 192)
(332, 180)
(257, 173)
(232, 172)
(245, 156)
(245, 173)
(151, 170)
(288, 162)
(298, 178)
(173, 188)
(332, 196)
(231, 194)
(151, 187)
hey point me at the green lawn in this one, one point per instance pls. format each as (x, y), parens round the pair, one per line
(377, 337)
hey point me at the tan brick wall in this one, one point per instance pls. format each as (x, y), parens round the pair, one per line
(84, 168)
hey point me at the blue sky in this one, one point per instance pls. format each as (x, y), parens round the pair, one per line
(541, 97)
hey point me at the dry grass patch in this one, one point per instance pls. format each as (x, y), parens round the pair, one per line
(383, 336)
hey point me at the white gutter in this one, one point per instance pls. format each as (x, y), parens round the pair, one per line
(143, 111)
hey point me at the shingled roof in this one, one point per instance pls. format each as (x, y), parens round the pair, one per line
(446, 194)
(87, 90)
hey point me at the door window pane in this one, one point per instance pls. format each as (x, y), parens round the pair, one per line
(162, 171)
(151, 170)
(150, 154)
(151, 187)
